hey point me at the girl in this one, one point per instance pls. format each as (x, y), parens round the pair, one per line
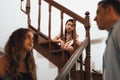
(68, 37)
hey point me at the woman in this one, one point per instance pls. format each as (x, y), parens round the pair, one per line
(18, 61)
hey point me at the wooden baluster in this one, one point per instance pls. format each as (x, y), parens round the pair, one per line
(75, 47)
(81, 68)
(74, 37)
(61, 35)
(39, 15)
(39, 20)
(28, 12)
(49, 29)
(21, 7)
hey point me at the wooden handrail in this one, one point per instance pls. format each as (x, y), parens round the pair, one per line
(67, 11)
(70, 63)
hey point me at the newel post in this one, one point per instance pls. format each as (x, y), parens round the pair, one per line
(88, 56)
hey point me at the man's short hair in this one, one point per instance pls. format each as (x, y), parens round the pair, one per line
(114, 3)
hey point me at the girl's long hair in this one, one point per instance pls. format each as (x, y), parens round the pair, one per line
(13, 47)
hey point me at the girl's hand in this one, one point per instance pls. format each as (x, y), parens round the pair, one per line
(70, 43)
(62, 43)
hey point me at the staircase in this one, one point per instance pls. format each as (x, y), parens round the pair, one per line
(53, 52)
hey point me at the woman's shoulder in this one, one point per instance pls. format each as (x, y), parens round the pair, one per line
(3, 65)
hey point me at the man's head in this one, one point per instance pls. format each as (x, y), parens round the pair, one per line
(108, 12)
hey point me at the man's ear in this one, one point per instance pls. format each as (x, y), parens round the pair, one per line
(110, 9)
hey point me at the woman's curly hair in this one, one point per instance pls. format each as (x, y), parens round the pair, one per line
(13, 46)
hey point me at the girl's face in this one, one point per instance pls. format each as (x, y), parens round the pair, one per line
(28, 42)
(69, 27)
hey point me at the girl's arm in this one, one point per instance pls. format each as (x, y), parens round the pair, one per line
(56, 39)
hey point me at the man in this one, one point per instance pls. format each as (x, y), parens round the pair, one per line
(108, 18)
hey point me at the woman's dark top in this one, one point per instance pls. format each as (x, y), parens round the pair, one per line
(25, 76)
(22, 76)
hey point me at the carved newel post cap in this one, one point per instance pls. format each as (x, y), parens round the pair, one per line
(87, 13)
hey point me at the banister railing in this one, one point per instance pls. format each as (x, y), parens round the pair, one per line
(70, 63)
(84, 21)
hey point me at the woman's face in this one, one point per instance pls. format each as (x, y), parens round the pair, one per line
(69, 27)
(28, 42)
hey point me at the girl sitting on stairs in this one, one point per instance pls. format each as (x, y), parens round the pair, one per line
(68, 37)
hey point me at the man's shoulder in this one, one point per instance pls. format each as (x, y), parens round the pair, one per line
(116, 28)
